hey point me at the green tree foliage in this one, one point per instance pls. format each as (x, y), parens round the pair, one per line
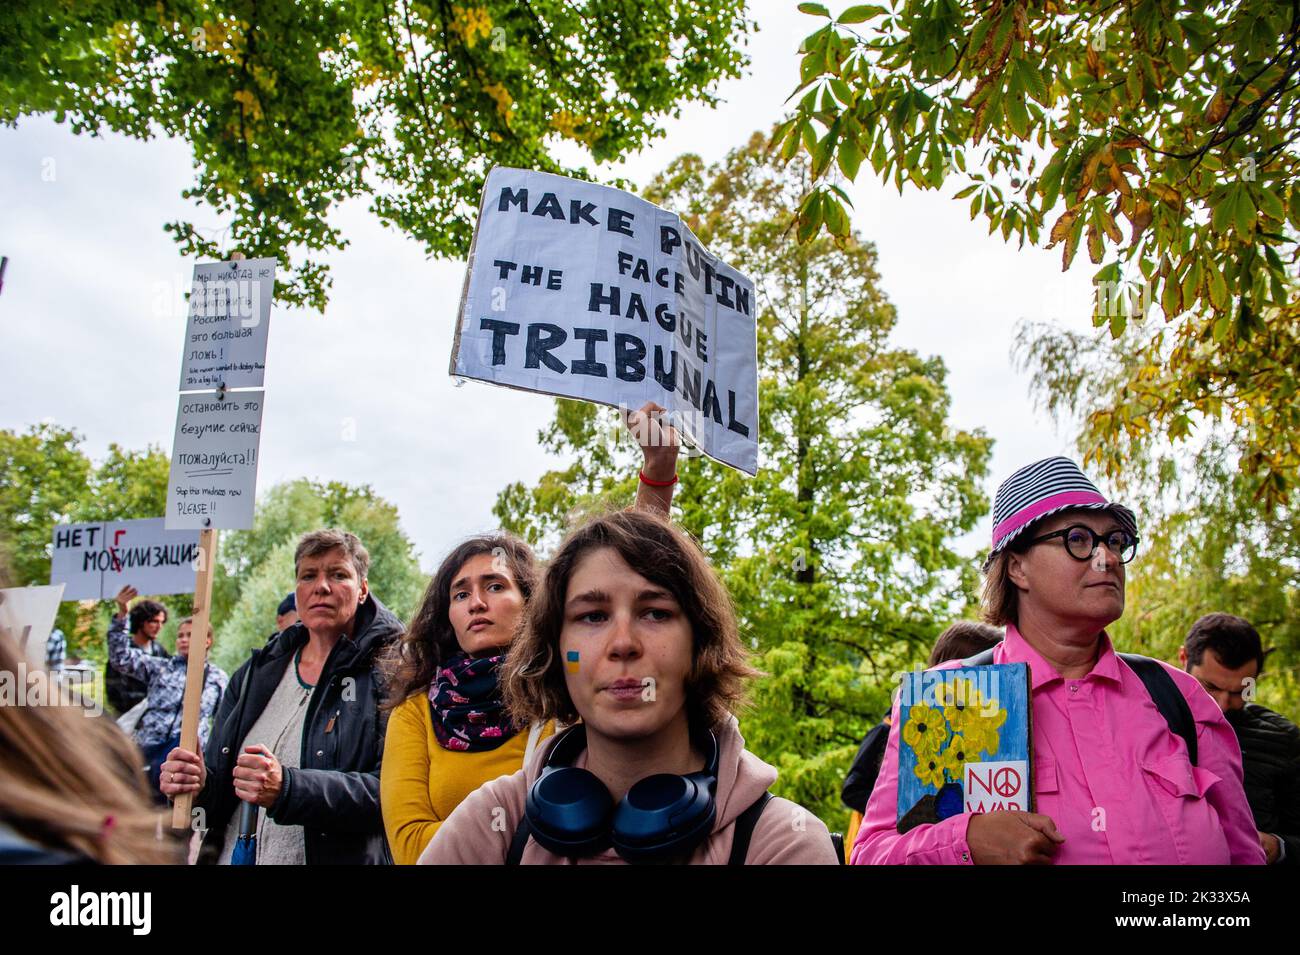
(1172, 381)
(1211, 539)
(838, 554)
(1181, 118)
(49, 480)
(45, 479)
(127, 484)
(292, 106)
(255, 567)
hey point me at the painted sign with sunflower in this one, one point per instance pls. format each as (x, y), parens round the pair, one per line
(964, 744)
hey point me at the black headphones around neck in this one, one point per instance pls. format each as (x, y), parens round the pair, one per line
(571, 813)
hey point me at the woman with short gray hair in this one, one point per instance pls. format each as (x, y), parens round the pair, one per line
(299, 733)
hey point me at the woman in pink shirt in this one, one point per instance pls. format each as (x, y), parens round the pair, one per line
(1113, 784)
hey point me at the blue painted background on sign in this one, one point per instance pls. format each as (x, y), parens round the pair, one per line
(950, 717)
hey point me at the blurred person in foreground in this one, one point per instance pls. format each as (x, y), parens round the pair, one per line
(70, 787)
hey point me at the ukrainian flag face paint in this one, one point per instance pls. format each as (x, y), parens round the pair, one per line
(571, 661)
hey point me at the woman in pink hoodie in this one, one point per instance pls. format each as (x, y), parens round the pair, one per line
(631, 633)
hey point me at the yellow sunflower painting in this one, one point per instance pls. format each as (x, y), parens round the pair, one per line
(926, 730)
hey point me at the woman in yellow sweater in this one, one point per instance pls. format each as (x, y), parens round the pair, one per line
(448, 732)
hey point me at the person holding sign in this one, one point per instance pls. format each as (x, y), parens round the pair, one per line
(1116, 780)
(631, 632)
(300, 733)
(158, 730)
(449, 732)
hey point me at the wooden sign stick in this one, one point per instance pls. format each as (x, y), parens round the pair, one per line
(198, 659)
(182, 806)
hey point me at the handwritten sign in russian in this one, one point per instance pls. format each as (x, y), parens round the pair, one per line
(95, 560)
(590, 292)
(226, 330)
(213, 477)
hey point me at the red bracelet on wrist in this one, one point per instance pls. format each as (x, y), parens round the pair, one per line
(646, 480)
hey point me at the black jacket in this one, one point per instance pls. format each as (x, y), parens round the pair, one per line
(1270, 756)
(334, 794)
(866, 767)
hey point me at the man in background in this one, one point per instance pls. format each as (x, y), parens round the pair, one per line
(287, 615)
(147, 618)
(1225, 653)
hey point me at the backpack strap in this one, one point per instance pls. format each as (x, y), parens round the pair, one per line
(1169, 700)
(1164, 692)
(837, 840)
(516, 853)
(745, 824)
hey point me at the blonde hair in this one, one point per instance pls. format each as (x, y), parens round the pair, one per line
(72, 780)
(190, 621)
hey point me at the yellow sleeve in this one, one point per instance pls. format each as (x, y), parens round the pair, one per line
(855, 823)
(409, 817)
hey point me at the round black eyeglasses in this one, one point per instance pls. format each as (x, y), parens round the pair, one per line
(1081, 542)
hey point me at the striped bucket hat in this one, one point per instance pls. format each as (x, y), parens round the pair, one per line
(1043, 488)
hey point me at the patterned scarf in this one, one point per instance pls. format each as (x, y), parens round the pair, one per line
(465, 702)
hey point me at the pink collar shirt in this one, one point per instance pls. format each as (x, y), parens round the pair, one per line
(1107, 770)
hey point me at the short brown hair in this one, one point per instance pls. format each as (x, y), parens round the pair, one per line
(963, 639)
(533, 677)
(319, 542)
(1000, 598)
(1234, 641)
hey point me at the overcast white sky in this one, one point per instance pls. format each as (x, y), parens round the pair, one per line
(86, 345)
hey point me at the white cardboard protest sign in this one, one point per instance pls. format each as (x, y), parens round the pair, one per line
(585, 291)
(213, 477)
(226, 331)
(94, 561)
(27, 617)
